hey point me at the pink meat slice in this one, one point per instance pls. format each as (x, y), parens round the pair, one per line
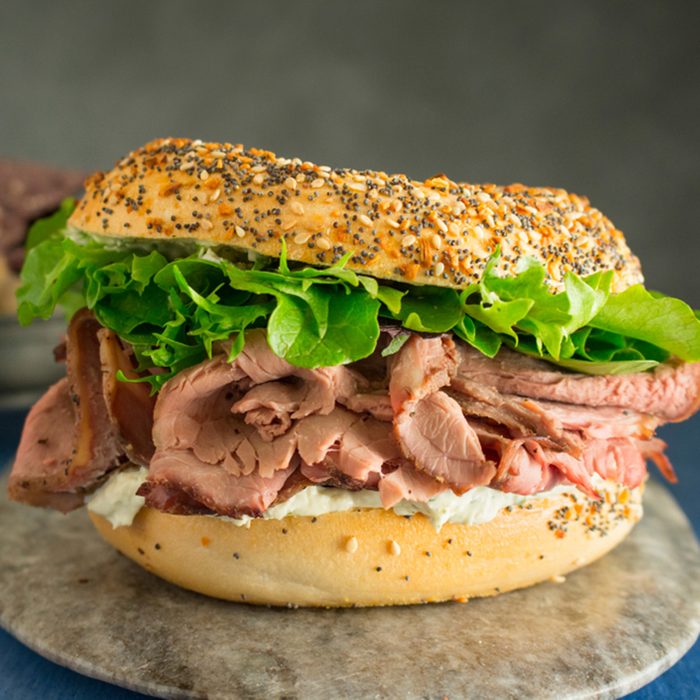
(39, 474)
(70, 441)
(671, 391)
(406, 483)
(429, 425)
(179, 483)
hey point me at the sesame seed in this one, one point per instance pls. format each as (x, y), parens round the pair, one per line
(558, 579)
(468, 220)
(297, 208)
(240, 232)
(351, 545)
(302, 238)
(323, 243)
(394, 547)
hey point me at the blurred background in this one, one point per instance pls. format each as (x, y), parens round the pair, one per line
(601, 98)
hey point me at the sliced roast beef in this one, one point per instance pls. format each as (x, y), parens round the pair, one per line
(129, 403)
(523, 468)
(598, 423)
(521, 417)
(295, 483)
(435, 435)
(193, 415)
(322, 386)
(270, 407)
(430, 426)
(179, 483)
(95, 448)
(377, 404)
(420, 368)
(670, 392)
(233, 438)
(202, 422)
(407, 483)
(40, 473)
(72, 416)
(217, 416)
(355, 446)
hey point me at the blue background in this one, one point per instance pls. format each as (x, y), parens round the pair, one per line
(24, 674)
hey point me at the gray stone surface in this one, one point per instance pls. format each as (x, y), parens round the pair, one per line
(609, 629)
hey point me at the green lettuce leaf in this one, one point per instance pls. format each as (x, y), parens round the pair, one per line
(50, 225)
(659, 320)
(430, 310)
(176, 309)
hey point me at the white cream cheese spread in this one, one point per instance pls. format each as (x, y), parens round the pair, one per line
(117, 502)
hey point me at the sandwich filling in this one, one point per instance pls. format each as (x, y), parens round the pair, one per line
(238, 384)
(236, 437)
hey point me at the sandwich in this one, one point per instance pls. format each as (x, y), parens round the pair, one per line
(290, 384)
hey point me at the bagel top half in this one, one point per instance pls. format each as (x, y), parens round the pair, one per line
(437, 232)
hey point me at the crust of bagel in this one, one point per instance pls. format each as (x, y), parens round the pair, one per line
(436, 232)
(374, 557)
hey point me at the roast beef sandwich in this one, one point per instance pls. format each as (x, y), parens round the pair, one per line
(290, 384)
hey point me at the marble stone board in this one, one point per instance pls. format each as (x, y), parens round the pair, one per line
(611, 628)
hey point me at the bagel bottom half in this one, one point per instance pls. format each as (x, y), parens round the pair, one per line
(367, 557)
